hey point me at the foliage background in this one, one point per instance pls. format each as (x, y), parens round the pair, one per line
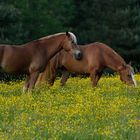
(114, 22)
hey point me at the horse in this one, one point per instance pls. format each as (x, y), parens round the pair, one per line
(32, 58)
(96, 57)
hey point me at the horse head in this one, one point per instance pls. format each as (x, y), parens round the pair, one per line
(70, 45)
(127, 75)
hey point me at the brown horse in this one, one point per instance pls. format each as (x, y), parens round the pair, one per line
(96, 57)
(32, 58)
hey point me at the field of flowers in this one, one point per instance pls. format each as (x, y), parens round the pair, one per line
(77, 111)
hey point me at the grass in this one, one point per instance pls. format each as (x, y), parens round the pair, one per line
(74, 112)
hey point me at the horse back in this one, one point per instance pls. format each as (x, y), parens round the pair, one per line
(105, 56)
(14, 58)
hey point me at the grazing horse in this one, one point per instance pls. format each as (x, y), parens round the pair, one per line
(96, 57)
(32, 58)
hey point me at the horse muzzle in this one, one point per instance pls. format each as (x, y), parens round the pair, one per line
(77, 55)
(134, 84)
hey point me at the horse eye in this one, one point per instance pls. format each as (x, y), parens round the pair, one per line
(72, 42)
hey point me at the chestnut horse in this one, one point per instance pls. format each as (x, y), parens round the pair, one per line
(96, 57)
(32, 58)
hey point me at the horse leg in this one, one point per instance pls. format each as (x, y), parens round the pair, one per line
(51, 75)
(64, 78)
(93, 76)
(39, 79)
(26, 85)
(51, 78)
(98, 76)
(33, 78)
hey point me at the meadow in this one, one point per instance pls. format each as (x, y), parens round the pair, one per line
(77, 111)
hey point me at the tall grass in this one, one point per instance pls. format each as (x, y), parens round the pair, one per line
(77, 111)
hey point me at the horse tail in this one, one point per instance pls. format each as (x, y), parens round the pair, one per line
(50, 71)
(47, 74)
(42, 76)
(53, 65)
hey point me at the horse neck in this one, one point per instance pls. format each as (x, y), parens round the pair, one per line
(52, 47)
(116, 62)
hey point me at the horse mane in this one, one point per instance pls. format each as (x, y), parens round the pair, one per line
(50, 36)
(40, 39)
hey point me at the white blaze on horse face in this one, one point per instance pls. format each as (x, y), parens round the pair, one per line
(133, 79)
(73, 37)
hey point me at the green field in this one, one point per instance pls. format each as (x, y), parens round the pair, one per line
(77, 111)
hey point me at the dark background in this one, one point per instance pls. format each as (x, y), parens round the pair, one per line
(114, 22)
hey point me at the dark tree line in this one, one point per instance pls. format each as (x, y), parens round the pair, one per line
(114, 22)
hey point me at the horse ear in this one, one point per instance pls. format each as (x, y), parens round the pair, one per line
(67, 34)
(124, 65)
